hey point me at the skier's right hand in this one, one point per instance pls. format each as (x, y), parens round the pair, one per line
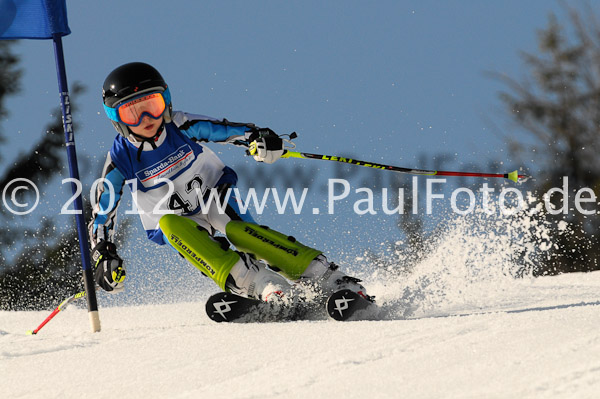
(108, 266)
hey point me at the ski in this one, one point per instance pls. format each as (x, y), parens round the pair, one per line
(227, 307)
(348, 305)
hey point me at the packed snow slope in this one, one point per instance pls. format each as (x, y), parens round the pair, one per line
(540, 339)
(464, 321)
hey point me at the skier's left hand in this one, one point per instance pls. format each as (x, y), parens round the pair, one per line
(265, 145)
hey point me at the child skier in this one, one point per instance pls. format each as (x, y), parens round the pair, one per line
(158, 153)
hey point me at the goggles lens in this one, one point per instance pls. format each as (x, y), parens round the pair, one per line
(131, 112)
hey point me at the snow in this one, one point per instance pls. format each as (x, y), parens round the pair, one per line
(459, 324)
(538, 340)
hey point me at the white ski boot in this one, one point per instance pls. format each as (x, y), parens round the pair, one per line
(251, 278)
(325, 277)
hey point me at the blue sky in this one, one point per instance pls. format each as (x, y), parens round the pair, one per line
(389, 81)
(385, 80)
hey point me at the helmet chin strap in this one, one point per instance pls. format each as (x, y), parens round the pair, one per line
(143, 140)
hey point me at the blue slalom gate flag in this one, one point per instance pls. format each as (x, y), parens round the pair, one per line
(47, 19)
(33, 19)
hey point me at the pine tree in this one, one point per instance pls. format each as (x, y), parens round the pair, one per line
(38, 267)
(558, 108)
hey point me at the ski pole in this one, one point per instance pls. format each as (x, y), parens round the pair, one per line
(514, 176)
(60, 307)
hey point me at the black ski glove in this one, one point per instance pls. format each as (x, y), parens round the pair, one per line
(108, 266)
(265, 145)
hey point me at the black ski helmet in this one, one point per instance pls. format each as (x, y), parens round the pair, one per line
(130, 80)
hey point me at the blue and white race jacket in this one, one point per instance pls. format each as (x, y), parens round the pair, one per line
(168, 179)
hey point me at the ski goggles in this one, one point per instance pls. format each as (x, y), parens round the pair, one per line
(132, 111)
